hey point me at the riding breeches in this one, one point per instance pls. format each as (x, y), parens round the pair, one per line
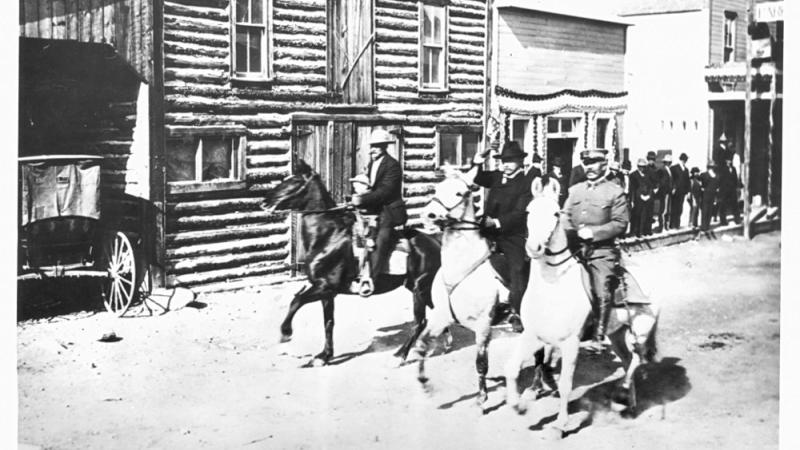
(514, 249)
(602, 270)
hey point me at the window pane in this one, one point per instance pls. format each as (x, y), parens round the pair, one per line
(258, 11)
(602, 127)
(427, 26)
(242, 11)
(518, 132)
(566, 125)
(216, 158)
(552, 125)
(255, 51)
(437, 26)
(241, 49)
(181, 159)
(469, 147)
(448, 149)
(431, 66)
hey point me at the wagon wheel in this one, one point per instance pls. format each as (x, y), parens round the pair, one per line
(120, 286)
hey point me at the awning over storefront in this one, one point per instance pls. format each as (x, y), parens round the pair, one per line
(562, 101)
(726, 82)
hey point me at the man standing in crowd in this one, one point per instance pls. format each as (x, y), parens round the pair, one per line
(596, 213)
(385, 199)
(535, 170)
(615, 175)
(664, 180)
(505, 213)
(557, 175)
(640, 192)
(696, 196)
(710, 185)
(680, 187)
(728, 185)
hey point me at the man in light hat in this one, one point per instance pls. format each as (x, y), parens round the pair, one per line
(596, 213)
(505, 215)
(384, 199)
(641, 192)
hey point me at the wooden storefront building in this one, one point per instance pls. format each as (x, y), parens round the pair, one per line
(558, 79)
(239, 90)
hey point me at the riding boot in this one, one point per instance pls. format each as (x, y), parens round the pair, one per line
(603, 313)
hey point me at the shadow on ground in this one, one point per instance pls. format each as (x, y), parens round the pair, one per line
(657, 384)
(38, 299)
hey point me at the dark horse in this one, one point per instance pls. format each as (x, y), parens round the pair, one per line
(330, 263)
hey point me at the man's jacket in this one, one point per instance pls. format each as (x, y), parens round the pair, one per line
(506, 202)
(386, 196)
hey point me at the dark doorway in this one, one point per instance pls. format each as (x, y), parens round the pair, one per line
(562, 149)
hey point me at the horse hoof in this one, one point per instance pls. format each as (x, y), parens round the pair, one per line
(285, 338)
(481, 401)
(553, 433)
(520, 409)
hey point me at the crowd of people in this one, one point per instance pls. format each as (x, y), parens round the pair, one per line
(657, 193)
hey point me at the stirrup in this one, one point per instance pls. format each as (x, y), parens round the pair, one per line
(366, 288)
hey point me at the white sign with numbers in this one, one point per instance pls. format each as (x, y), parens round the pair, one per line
(769, 12)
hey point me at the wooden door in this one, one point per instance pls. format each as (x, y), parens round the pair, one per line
(351, 43)
(328, 148)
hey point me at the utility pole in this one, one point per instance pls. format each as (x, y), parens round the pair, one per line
(748, 82)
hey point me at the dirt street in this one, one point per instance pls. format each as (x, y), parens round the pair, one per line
(212, 376)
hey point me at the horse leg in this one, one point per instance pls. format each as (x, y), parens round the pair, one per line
(434, 328)
(526, 345)
(569, 358)
(327, 352)
(305, 295)
(621, 395)
(419, 324)
(483, 334)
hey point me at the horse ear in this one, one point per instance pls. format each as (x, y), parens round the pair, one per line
(303, 168)
(536, 187)
(556, 188)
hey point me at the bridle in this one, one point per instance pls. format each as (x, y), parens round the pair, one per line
(548, 252)
(450, 221)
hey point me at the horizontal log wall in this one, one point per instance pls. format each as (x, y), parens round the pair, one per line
(223, 236)
(397, 85)
(127, 25)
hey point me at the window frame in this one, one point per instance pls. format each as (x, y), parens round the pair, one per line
(238, 136)
(267, 73)
(729, 23)
(444, 85)
(460, 131)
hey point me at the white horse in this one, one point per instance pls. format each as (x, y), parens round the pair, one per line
(466, 288)
(555, 307)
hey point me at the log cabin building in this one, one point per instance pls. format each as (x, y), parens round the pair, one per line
(205, 104)
(558, 79)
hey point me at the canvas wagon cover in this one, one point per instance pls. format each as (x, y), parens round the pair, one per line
(60, 189)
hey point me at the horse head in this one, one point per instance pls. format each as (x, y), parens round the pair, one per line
(451, 200)
(292, 192)
(543, 216)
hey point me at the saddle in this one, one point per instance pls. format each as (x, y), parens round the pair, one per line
(628, 292)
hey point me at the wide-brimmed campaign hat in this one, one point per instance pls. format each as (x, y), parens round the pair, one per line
(641, 162)
(381, 137)
(511, 150)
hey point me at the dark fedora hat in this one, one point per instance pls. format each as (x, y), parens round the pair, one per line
(536, 158)
(651, 155)
(511, 150)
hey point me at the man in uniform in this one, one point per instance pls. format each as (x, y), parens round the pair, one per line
(505, 215)
(385, 198)
(596, 213)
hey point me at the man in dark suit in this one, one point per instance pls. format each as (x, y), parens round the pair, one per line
(664, 183)
(505, 215)
(681, 184)
(728, 185)
(709, 181)
(535, 170)
(384, 199)
(640, 192)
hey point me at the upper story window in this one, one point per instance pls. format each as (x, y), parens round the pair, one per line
(433, 47)
(601, 133)
(251, 56)
(729, 37)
